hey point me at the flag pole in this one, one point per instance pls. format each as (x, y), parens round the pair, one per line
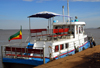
(21, 31)
(29, 30)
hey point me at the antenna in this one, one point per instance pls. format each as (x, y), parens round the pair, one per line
(68, 10)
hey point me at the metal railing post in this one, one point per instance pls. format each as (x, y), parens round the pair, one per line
(25, 49)
(42, 35)
(47, 35)
(15, 53)
(11, 51)
(21, 52)
(5, 51)
(1, 52)
(2, 56)
(52, 36)
(40, 53)
(27, 53)
(43, 56)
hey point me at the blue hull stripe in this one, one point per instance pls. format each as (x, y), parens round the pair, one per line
(86, 45)
(25, 61)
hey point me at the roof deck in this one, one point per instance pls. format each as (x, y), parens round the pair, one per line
(70, 23)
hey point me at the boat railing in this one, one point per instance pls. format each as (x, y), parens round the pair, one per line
(43, 35)
(37, 31)
(59, 33)
(21, 52)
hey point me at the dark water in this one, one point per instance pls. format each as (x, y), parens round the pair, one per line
(5, 34)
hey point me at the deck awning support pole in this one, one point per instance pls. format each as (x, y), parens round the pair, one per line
(48, 26)
(70, 25)
(29, 30)
(70, 22)
(52, 29)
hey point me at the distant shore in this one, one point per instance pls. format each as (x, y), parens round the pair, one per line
(89, 58)
(98, 28)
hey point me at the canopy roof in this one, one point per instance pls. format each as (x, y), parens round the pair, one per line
(46, 14)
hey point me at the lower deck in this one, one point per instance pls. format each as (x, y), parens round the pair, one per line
(38, 61)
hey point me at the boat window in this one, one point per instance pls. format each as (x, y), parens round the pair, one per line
(66, 45)
(56, 48)
(68, 27)
(82, 28)
(61, 46)
(85, 39)
(79, 30)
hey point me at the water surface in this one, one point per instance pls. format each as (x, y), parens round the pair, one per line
(5, 34)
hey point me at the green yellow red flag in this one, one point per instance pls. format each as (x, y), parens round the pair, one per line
(17, 35)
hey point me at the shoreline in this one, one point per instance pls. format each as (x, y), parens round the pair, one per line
(89, 58)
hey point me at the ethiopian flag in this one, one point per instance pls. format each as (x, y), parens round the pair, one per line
(17, 35)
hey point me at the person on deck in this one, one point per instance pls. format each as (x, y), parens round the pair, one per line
(76, 20)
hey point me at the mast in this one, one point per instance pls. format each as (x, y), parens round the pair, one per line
(68, 10)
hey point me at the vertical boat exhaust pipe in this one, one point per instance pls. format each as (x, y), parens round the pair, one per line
(68, 10)
(63, 13)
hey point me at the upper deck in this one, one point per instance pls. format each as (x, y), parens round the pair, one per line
(56, 31)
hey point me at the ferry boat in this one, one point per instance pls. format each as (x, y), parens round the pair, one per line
(60, 40)
(46, 45)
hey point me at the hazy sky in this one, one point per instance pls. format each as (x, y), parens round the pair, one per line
(14, 13)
